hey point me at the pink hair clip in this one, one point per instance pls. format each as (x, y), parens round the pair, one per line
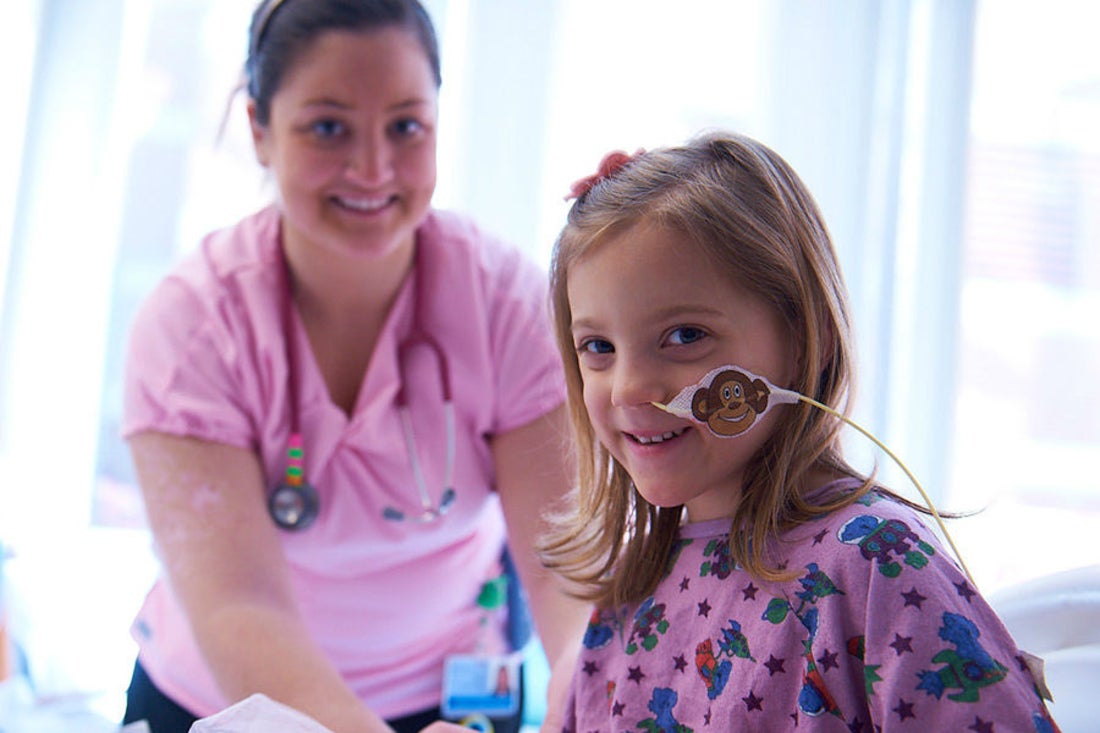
(609, 166)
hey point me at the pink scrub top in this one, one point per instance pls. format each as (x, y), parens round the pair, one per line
(387, 601)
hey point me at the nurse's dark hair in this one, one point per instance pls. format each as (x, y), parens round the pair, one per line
(281, 30)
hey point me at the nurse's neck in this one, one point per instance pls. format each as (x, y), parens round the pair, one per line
(343, 303)
(337, 287)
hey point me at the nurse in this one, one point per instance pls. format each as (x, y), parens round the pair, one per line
(340, 407)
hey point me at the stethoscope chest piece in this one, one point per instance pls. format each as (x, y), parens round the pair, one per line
(428, 513)
(294, 506)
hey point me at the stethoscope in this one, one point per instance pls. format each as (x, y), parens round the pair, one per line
(294, 503)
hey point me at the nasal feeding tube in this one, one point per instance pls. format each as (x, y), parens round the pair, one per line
(729, 399)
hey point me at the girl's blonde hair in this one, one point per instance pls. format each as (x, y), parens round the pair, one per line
(754, 219)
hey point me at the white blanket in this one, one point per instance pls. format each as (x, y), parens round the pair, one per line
(258, 714)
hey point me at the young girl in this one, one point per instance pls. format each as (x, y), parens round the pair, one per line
(744, 579)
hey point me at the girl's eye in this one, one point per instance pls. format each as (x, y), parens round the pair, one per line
(686, 335)
(596, 346)
(327, 129)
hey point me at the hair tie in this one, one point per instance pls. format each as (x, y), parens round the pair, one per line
(609, 166)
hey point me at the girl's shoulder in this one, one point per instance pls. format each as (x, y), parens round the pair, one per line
(879, 504)
(874, 507)
(874, 538)
(851, 494)
(873, 608)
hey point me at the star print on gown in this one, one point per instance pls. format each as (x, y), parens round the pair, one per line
(871, 631)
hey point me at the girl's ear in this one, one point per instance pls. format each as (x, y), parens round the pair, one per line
(260, 135)
(826, 346)
(826, 343)
(796, 343)
(830, 352)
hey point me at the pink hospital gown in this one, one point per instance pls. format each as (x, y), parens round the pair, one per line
(879, 632)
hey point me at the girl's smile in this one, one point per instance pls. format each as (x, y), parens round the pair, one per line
(650, 316)
(654, 439)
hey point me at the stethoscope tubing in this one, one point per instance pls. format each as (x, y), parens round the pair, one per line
(410, 444)
(294, 503)
(429, 511)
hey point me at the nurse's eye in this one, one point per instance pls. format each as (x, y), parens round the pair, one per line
(327, 129)
(686, 335)
(406, 127)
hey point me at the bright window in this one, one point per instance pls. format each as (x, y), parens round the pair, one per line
(951, 145)
(1027, 413)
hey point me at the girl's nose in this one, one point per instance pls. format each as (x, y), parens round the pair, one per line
(635, 383)
(371, 162)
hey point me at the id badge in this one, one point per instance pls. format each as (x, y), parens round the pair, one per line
(485, 684)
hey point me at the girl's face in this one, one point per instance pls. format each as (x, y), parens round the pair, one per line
(351, 142)
(651, 316)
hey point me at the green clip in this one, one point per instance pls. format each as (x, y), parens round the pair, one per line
(494, 593)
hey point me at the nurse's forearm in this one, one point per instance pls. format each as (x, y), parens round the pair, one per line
(559, 618)
(254, 647)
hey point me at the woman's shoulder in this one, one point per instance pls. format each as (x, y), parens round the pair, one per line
(458, 229)
(235, 252)
(228, 275)
(237, 257)
(488, 304)
(203, 341)
(458, 241)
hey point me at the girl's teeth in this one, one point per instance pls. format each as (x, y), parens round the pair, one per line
(658, 438)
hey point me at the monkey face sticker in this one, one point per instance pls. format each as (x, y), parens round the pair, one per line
(730, 404)
(728, 400)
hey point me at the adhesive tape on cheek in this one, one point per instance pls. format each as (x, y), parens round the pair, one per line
(728, 400)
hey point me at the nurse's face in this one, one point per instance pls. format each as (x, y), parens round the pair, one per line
(351, 142)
